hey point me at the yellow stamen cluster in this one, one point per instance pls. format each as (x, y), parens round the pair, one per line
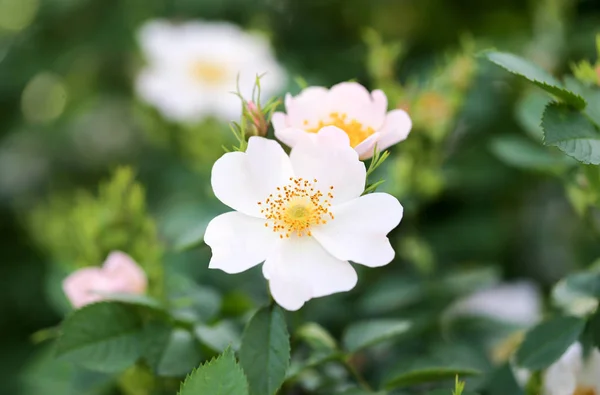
(355, 130)
(295, 207)
(208, 72)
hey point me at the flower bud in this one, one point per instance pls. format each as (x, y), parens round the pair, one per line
(256, 119)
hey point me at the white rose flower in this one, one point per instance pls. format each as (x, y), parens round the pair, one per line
(350, 107)
(193, 69)
(572, 374)
(303, 215)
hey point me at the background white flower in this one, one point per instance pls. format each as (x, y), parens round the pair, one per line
(572, 374)
(193, 67)
(350, 107)
(118, 274)
(518, 303)
(303, 215)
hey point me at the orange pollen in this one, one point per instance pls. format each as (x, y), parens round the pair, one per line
(584, 391)
(355, 130)
(296, 207)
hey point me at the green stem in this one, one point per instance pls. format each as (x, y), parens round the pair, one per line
(360, 380)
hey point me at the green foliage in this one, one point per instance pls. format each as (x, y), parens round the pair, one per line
(546, 342)
(81, 230)
(365, 334)
(170, 352)
(220, 376)
(572, 132)
(265, 351)
(426, 374)
(103, 336)
(536, 75)
(521, 153)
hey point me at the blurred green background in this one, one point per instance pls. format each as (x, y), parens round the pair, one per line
(69, 118)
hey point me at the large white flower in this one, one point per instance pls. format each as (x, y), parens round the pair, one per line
(573, 374)
(350, 107)
(193, 67)
(303, 215)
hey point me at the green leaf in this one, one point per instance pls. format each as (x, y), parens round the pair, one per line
(265, 351)
(591, 94)
(533, 73)
(170, 352)
(447, 391)
(594, 328)
(221, 376)
(102, 336)
(572, 132)
(428, 374)
(219, 336)
(368, 333)
(519, 152)
(578, 293)
(316, 336)
(546, 342)
(359, 391)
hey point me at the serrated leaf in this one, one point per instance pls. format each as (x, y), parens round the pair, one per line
(368, 333)
(219, 336)
(572, 132)
(519, 152)
(591, 94)
(546, 342)
(533, 73)
(221, 376)
(265, 351)
(102, 336)
(428, 374)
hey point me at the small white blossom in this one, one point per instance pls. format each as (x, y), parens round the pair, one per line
(302, 215)
(573, 374)
(193, 69)
(118, 274)
(350, 107)
(518, 303)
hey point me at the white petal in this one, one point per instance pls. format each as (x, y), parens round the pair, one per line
(367, 146)
(238, 242)
(353, 99)
(279, 121)
(290, 136)
(359, 230)
(300, 269)
(242, 179)
(518, 303)
(395, 129)
(590, 373)
(310, 106)
(328, 157)
(561, 377)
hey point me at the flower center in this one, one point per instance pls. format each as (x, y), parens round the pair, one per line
(295, 207)
(208, 72)
(581, 390)
(355, 130)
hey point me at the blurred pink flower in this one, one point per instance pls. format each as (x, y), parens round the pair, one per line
(363, 116)
(119, 274)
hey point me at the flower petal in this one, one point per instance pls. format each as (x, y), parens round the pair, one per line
(359, 230)
(367, 146)
(353, 99)
(242, 179)
(560, 378)
(124, 271)
(279, 121)
(395, 129)
(238, 242)
(300, 269)
(291, 136)
(328, 157)
(590, 374)
(80, 286)
(309, 105)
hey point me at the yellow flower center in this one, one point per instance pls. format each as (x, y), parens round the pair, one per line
(295, 207)
(355, 130)
(208, 72)
(580, 390)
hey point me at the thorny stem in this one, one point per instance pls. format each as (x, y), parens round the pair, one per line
(360, 380)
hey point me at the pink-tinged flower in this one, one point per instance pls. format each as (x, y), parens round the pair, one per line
(361, 115)
(302, 215)
(119, 274)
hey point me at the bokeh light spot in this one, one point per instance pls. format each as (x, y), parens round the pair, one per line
(44, 98)
(16, 15)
